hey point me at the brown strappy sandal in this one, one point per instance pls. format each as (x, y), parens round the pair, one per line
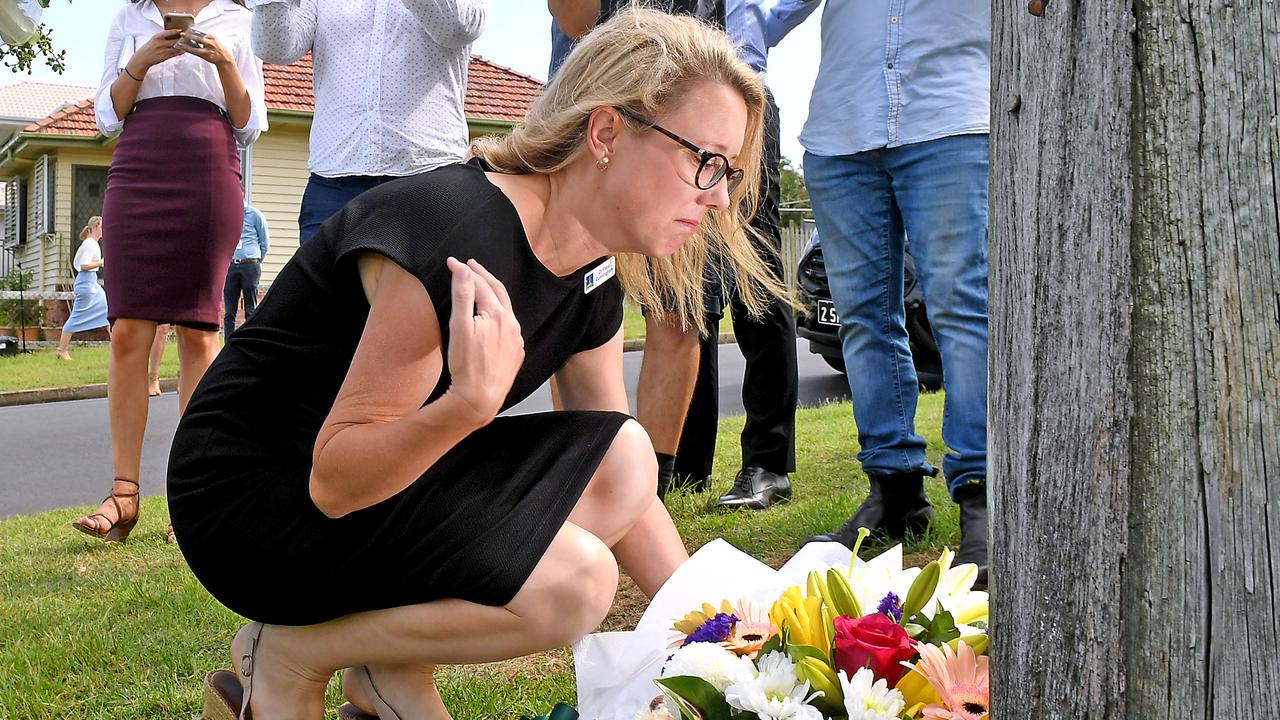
(117, 530)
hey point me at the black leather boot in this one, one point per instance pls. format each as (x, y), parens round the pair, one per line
(975, 535)
(896, 504)
(756, 489)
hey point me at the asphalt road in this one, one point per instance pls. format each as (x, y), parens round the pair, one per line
(58, 454)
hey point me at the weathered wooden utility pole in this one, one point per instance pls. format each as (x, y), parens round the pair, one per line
(1135, 359)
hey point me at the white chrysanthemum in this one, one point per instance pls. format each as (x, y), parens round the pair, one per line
(710, 662)
(866, 698)
(775, 693)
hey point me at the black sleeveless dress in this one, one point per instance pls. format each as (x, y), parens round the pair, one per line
(475, 524)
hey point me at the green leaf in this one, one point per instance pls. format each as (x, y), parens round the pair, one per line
(696, 698)
(941, 629)
(914, 631)
(773, 644)
(560, 712)
(798, 652)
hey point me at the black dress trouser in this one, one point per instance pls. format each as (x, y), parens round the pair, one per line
(769, 382)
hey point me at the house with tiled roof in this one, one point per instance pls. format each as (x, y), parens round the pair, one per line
(56, 167)
(22, 103)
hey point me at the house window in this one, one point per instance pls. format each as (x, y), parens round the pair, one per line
(15, 215)
(43, 195)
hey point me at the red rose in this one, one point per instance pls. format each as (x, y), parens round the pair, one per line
(874, 641)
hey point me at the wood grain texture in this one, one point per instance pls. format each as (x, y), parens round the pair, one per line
(1060, 391)
(1200, 593)
(1135, 386)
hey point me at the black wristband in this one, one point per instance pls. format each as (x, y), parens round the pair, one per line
(126, 72)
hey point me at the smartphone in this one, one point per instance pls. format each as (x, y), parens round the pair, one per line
(178, 21)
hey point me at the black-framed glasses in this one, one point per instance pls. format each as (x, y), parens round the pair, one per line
(712, 166)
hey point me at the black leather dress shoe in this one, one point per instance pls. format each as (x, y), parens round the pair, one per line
(756, 489)
(975, 537)
(896, 504)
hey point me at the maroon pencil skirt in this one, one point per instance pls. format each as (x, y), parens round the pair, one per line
(172, 214)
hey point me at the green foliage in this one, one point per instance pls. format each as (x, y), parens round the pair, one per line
(12, 311)
(696, 698)
(21, 58)
(793, 193)
(936, 631)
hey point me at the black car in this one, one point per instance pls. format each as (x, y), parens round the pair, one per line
(820, 324)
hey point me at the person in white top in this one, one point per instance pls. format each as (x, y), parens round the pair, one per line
(180, 101)
(90, 309)
(142, 63)
(390, 79)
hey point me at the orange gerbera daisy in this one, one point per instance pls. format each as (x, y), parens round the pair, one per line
(962, 679)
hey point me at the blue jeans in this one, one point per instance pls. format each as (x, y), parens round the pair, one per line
(866, 205)
(324, 197)
(242, 281)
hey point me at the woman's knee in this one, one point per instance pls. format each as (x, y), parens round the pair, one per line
(573, 589)
(629, 467)
(193, 342)
(131, 337)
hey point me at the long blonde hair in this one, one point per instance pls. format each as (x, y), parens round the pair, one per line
(644, 61)
(94, 222)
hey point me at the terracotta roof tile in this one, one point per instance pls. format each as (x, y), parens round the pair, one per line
(31, 100)
(494, 92)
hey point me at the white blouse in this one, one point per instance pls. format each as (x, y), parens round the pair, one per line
(390, 78)
(185, 75)
(90, 251)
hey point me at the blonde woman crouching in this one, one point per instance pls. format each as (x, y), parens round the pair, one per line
(342, 477)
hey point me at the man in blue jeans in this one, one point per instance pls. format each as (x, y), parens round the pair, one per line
(896, 146)
(245, 270)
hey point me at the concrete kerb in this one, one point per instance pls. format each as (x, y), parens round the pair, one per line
(99, 390)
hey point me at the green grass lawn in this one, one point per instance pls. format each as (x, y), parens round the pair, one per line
(88, 365)
(102, 632)
(633, 323)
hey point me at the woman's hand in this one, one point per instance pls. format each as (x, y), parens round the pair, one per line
(485, 345)
(158, 49)
(213, 52)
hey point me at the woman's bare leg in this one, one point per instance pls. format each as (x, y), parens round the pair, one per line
(566, 597)
(127, 404)
(157, 356)
(64, 342)
(568, 594)
(621, 507)
(196, 351)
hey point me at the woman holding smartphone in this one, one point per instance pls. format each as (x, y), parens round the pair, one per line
(181, 102)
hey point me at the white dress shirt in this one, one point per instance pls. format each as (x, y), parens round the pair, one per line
(390, 78)
(185, 75)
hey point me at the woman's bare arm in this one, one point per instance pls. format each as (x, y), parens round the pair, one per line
(378, 439)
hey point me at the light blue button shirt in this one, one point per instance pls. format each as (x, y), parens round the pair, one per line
(893, 72)
(745, 24)
(254, 241)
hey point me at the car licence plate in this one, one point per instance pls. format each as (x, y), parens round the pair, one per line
(827, 313)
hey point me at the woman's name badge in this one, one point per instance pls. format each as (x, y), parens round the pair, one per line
(598, 276)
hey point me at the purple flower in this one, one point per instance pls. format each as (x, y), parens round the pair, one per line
(891, 605)
(717, 629)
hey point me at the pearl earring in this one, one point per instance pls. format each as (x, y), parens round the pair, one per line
(603, 163)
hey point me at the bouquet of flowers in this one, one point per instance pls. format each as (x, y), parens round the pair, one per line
(852, 639)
